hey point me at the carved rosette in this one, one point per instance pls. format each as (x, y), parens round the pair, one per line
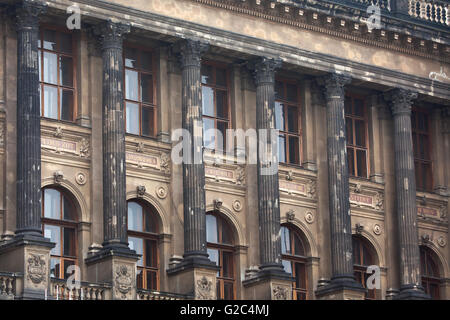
(401, 101)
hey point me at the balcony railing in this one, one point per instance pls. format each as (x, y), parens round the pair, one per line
(155, 295)
(7, 285)
(87, 291)
(433, 11)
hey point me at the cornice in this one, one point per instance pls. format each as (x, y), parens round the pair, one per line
(348, 24)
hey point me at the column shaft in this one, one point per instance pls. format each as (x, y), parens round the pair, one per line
(268, 184)
(28, 120)
(114, 173)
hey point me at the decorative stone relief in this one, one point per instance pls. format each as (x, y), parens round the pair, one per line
(217, 204)
(58, 177)
(309, 217)
(359, 228)
(289, 175)
(165, 163)
(36, 268)
(311, 189)
(123, 280)
(425, 238)
(2, 133)
(443, 212)
(141, 191)
(240, 176)
(58, 132)
(140, 147)
(237, 206)
(80, 178)
(441, 241)
(280, 293)
(290, 215)
(203, 289)
(85, 148)
(357, 188)
(379, 201)
(161, 192)
(377, 229)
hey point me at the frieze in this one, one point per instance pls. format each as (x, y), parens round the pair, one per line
(366, 196)
(299, 187)
(431, 208)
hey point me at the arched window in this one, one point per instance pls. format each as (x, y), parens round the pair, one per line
(143, 238)
(221, 251)
(363, 256)
(294, 260)
(59, 224)
(430, 272)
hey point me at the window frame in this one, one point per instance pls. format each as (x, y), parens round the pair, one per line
(296, 259)
(426, 278)
(58, 86)
(286, 133)
(151, 236)
(60, 223)
(353, 146)
(221, 248)
(360, 268)
(153, 73)
(415, 131)
(215, 87)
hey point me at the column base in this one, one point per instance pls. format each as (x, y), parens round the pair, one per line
(194, 276)
(269, 284)
(28, 254)
(411, 293)
(342, 288)
(116, 266)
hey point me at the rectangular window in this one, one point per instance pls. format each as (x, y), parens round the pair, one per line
(215, 105)
(57, 74)
(140, 92)
(420, 123)
(288, 121)
(356, 122)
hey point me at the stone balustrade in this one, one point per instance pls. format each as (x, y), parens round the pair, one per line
(155, 295)
(7, 286)
(432, 11)
(59, 290)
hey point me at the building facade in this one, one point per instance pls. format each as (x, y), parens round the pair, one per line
(135, 150)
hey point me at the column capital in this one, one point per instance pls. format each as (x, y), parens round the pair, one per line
(334, 84)
(111, 34)
(28, 12)
(400, 100)
(264, 69)
(190, 53)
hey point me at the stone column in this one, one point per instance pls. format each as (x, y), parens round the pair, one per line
(115, 263)
(272, 282)
(196, 273)
(343, 284)
(28, 252)
(405, 184)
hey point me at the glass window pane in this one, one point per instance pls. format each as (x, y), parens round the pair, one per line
(211, 229)
(68, 211)
(134, 216)
(148, 117)
(151, 281)
(423, 147)
(282, 149)
(67, 264)
(151, 258)
(131, 85)
(147, 88)
(300, 276)
(359, 107)
(221, 104)
(50, 40)
(69, 244)
(140, 278)
(66, 43)
(294, 157)
(360, 131)
(299, 250)
(349, 127)
(40, 66)
(228, 291)
(285, 241)
(279, 116)
(348, 105)
(291, 92)
(279, 90)
(50, 68)
(362, 163)
(137, 245)
(54, 267)
(66, 102)
(222, 135)
(207, 74)
(292, 119)
(52, 204)
(132, 114)
(208, 101)
(50, 102)
(151, 222)
(287, 266)
(146, 60)
(227, 265)
(221, 77)
(226, 233)
(213, 255)
(351, 161)
(66, 71)
(209, 134)
(54, 234)
(131, 55)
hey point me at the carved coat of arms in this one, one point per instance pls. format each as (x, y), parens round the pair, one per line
(124, 280)
(204, 289)
(36, 268)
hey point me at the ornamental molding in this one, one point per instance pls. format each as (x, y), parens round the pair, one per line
(349, 24)
(432, 208)
(145, 157)
(204, 289)
(366, 196)
(280, 292)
